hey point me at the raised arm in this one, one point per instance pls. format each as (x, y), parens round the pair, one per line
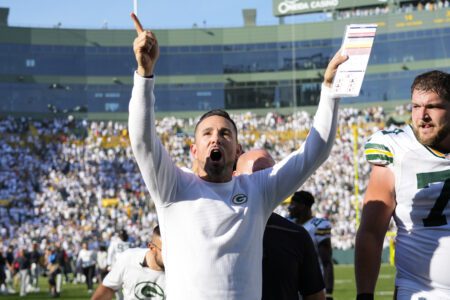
(292, 171)
(379, 205)
(156, 167)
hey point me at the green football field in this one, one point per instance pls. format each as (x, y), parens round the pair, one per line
(344, 287)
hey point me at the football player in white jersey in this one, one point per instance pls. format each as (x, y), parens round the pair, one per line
(410, 181)
(138, 272)
(320, 231)
(118, 245)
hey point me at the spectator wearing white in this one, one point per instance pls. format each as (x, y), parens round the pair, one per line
(102, 263)
(86, 259)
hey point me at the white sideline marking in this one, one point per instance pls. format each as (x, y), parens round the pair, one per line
(342, 281)
(385, 293)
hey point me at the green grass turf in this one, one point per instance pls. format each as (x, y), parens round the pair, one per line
(344, 286)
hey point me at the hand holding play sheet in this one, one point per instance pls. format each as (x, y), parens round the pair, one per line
(357, 45)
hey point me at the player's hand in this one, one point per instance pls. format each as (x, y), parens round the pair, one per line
(145, 47)
(330, 72)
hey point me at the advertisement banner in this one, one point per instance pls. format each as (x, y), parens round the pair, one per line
(294, 7)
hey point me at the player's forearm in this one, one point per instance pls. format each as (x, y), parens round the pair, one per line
(326, 256)
(328, 277)
(103, 293)
(368, 250)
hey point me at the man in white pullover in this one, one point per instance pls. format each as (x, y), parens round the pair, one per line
(212, 223)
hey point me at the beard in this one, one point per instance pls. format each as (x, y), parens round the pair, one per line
(433, 141)
(218, 170)
(214, 169)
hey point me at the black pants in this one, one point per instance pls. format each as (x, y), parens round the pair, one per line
(102, 273)
(89, 273)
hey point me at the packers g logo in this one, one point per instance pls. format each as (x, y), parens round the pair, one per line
(148, 290)
(239, 199)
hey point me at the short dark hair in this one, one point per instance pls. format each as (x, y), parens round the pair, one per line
(216, 112)
(123, 235)
(433, 81)
(304, 197)
(156, 231)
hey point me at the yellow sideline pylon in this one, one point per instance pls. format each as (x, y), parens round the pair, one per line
(391, 235)
(356, 203)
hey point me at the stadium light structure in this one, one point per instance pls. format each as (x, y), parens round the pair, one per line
(78, 109)
(230, 81)
(135, 7)
(320, 75)
(117, 81)
(56, 86)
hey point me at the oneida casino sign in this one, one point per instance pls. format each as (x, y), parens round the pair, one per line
(292, 7)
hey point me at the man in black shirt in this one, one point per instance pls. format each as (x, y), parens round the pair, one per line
(10, 272)
(23, 264)
(2, 272)
(36, 264)
(290, 263)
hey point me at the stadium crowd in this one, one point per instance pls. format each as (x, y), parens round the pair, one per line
(65, 182)
(403, 8)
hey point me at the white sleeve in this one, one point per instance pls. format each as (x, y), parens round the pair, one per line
(114, 279)
(378, 149)
(156, 166)
(289, 174)
(111, 251)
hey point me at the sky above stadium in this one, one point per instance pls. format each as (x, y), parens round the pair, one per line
(115, 14)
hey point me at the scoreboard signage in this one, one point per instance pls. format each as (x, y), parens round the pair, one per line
(293, 7)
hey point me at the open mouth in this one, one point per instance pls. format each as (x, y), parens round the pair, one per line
(215, 155)
(426, 127)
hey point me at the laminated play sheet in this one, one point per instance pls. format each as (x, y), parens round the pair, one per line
(357, 44)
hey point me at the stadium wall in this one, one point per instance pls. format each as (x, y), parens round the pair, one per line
(347, 257)
(90, 71)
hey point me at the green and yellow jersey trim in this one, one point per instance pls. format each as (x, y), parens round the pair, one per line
(435, 152)
(379, 154)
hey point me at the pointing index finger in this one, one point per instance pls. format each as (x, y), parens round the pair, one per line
(137, 23)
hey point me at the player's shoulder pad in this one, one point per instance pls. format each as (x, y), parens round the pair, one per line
(131, 253)
(321, 223)
(378, 149)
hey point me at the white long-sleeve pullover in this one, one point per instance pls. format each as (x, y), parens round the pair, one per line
(212, 232)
